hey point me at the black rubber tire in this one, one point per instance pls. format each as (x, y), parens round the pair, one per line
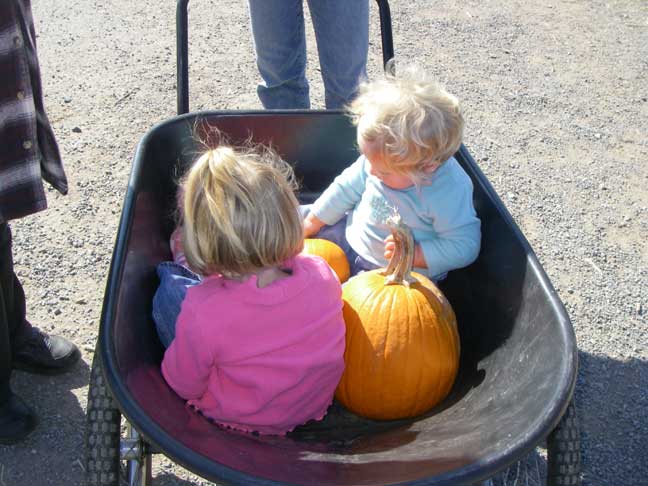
(562, 466)
(103, 432)
(563, 444)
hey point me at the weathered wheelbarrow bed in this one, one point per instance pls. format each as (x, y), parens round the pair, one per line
(518, 361)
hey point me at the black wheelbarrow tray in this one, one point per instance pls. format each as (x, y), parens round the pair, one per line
(518, 352)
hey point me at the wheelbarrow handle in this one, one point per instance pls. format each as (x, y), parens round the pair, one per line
(386, 31)
(182, 47)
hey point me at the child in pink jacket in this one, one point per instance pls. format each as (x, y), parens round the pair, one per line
(258, 344)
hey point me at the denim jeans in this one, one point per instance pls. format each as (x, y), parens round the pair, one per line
(342, 33)
(175, 280)
(337, 234)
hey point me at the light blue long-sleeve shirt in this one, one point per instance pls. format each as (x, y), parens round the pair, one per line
(440, 213)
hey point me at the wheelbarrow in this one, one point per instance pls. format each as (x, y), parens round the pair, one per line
(509, 418)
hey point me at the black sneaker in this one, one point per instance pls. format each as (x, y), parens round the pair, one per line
(17, 420)
(44, 354)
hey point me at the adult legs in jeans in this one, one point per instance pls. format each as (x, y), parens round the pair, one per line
(342, 33)
(280, 46)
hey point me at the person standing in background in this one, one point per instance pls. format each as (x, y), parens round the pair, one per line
(342, 33)
(29, 154)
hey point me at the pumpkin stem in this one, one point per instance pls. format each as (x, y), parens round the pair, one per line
(400, 265)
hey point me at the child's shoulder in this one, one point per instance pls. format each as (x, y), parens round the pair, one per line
(450, 173)
(212, 287)
(317, 271)
(313, 265)
(450, 186)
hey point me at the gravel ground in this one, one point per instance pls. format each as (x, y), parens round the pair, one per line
(556, 97)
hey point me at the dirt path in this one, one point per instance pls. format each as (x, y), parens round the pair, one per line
(556, 96)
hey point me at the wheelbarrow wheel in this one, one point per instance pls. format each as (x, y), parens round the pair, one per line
(561, 467)
(112, 459)
(564, 461)
(103, 432)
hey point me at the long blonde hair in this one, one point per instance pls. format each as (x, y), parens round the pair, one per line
(240, 211)
(416, 122)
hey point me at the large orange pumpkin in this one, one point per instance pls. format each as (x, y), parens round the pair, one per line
(332, 253)
(402, 344)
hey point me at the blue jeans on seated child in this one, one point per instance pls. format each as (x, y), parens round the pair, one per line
(175, 280)
(336, 233)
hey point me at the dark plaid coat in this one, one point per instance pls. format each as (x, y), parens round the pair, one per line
(28, 149)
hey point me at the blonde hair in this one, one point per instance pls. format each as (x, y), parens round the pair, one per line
(417, 124)
(240, 211)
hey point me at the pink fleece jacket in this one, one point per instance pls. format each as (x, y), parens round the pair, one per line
(260, 359)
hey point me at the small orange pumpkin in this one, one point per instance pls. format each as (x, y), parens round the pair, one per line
(332, 253)
(402, 343)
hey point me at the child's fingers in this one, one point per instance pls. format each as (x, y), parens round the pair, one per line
(310, 229)
(312, 225)
(389, 247)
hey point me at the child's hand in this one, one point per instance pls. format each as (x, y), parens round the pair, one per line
(390, 246)
(419, 259)
(312, 225)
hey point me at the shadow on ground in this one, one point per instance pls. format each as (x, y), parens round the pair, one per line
(58, 440)
(606, 391)
(166, 479)
(613, 440)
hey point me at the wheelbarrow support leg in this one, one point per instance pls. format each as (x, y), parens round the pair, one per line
(135, 452)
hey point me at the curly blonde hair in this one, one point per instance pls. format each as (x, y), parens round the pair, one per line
(240, 212)
(417, 123)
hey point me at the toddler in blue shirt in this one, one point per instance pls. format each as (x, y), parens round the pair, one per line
(408, 130)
